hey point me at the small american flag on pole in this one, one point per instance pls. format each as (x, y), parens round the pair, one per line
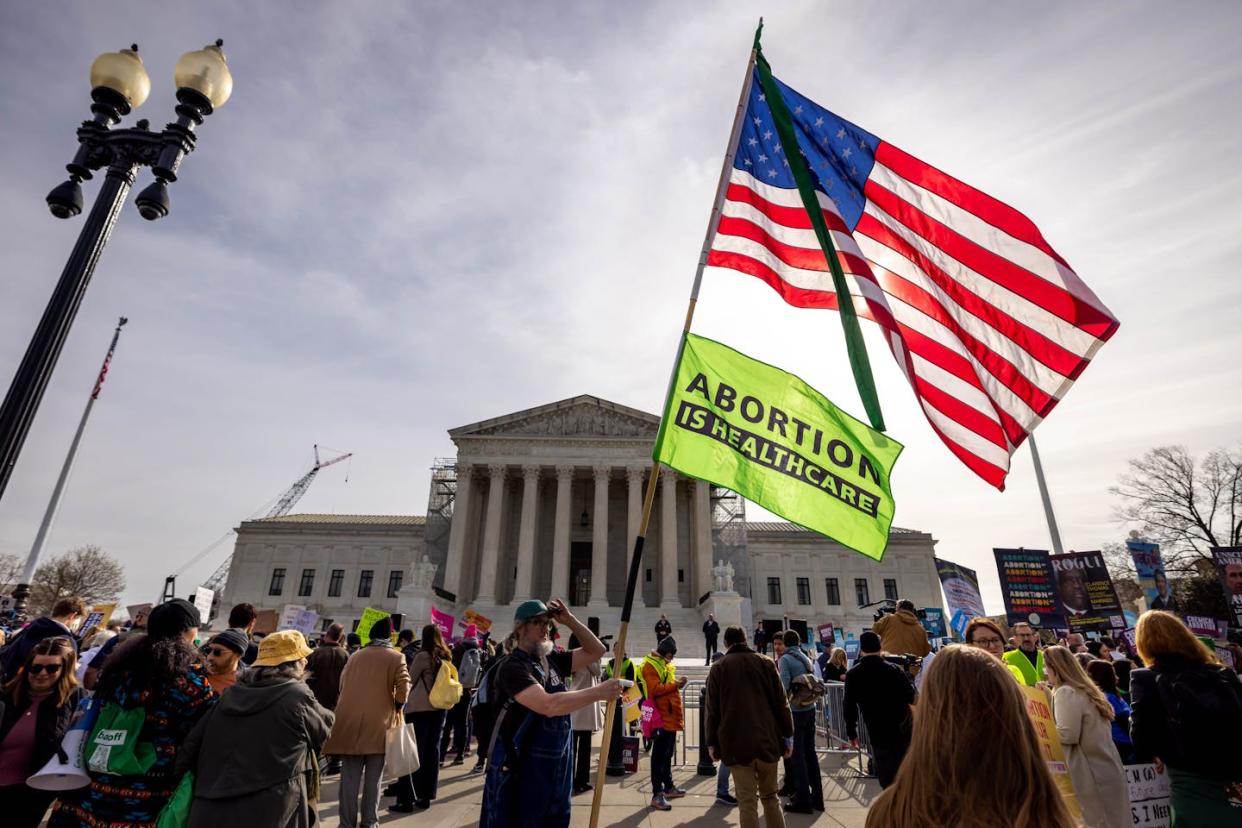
(103, 370)
(989, 324)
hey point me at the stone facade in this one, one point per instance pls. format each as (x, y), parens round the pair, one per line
(547, 502)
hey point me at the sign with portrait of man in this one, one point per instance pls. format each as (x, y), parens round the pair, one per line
(1229, 564)
(1087, 592)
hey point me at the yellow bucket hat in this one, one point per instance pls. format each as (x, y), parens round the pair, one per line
(279, 647)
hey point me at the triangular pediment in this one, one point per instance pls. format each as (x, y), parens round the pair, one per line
(583, 416)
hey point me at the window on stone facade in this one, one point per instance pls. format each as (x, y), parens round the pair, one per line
(278, 581)
(648, 576)
(834, 591)
(862, 591)
(364, 582)
(307, 583)
(681, 576)
(804, 590)
(890, 589)
(335, 583)
(774, 591)
(394, 582)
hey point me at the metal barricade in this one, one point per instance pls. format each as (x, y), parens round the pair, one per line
(691, 712)
(832, 730)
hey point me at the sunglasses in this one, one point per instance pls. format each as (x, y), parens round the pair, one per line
(218, 651)
(36, 669)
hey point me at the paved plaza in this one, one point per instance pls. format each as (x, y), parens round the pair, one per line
(846, 795)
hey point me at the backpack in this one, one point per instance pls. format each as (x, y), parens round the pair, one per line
(483, 694)
(113, 746)
(446, 692)
(805, 689)
(1202, 703)
(470, 663)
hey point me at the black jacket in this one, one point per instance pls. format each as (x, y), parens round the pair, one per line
(710, 630)
(325, 666)
(885, 693)
(50, 727)
(1150, 730)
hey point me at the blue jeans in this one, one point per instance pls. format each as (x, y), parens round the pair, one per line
(804, 764)
(722, 780)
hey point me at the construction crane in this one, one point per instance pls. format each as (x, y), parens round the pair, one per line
(284, 504)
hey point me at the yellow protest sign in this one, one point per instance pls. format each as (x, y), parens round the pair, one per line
(1039, 708)
(369, 616)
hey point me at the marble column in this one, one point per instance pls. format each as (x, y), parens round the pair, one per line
(490, 558)
(634, 476)
(525, 586)
(668, 540)
(702, 511)
(459, 530)
(599, 539)
(560, 538)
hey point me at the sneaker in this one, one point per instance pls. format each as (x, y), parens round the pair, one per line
(792, 808)
(725, 799)
(459, 760)
(675, 793)
(402, 807)
(478, 768)
(660, 803)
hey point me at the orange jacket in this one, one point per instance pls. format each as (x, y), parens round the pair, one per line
(663, 690)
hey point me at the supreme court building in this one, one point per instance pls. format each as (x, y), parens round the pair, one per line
(547, 502)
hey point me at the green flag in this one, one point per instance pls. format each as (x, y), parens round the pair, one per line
(773, 439)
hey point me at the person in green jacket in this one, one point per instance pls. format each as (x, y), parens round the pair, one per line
(1028, 658)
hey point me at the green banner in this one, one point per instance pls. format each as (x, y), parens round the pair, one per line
(775, 440)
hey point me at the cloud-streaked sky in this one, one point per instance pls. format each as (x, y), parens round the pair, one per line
(414, 216)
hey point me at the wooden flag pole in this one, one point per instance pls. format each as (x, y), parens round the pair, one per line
(636, 558)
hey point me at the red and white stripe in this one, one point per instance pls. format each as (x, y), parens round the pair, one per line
(990, 326)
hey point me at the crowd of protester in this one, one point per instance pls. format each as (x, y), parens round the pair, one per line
(239, 727)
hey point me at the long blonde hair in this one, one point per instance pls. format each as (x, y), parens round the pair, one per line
(839, 659)
(974, 760)
(1070, 674)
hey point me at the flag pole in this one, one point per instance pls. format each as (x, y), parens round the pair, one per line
(22, 591)
(722, 187)
(1043, 494)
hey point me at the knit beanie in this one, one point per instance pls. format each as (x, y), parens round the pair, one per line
(172, 618)
(233, 638)
(381, 630)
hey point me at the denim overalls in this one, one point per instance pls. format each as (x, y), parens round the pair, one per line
(535, 791)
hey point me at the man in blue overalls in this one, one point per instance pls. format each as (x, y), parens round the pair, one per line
(529, 770)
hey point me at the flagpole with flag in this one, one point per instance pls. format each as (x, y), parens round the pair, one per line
(21, 593)
(636, 556)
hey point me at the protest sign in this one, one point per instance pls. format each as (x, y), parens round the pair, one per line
(961, 594)
(90, 625)
(289, 616)
(369, 616)
(444, 621)
(932, 619)
(827, 634)
(1229, 564)
(105, 612)
(1150, 568)
(1087, 594)
(1149, 796)
(775, 440)
(307, 620)
(1039, 708)
(1201, 625)
(266, 621)
(138, 614)
(851, 649)
(1028, 585)
(481, 622)
(202, 600)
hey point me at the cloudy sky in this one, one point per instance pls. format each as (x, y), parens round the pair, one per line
(414, 216)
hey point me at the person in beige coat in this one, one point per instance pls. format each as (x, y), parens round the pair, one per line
(374, 686)
(1083, 719)
(584, 721)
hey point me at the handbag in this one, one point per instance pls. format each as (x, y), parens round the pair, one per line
(447, 690)
(176, 812)
(400, 750)
(650, 718)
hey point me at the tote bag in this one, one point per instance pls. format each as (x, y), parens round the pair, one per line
(400, 751)
(447, 690)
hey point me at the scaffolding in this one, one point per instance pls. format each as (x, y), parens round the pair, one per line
(729, 536)
(440, 498)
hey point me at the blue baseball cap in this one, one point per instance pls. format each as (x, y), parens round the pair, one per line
(529, 609)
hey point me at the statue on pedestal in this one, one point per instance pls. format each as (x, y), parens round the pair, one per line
(424, 573)
(722, 574)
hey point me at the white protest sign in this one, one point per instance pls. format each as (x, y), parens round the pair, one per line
(1149, 796)
(202, 600)
(289, 616)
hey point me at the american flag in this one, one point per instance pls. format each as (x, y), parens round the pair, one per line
(990, 326)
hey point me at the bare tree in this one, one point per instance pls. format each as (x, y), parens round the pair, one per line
(10, 570)
(87, 572)
(1186, 507)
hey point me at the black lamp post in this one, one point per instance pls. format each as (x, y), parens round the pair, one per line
(119, 83)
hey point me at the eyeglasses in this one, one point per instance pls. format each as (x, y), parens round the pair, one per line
(988, 642)
(217, 651)
(36, 669)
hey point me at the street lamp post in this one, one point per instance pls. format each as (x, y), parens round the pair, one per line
(119, 83)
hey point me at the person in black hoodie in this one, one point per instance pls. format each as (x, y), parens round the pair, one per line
(67, 615)
(1182, 708)
(36, 708)
(254, 754)
(884, 692)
